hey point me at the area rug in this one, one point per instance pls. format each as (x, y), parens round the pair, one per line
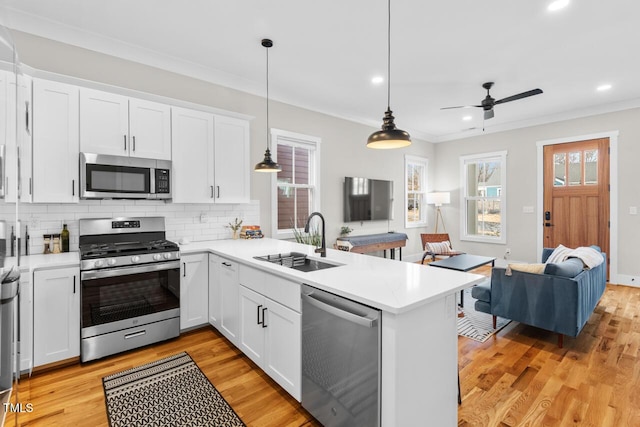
(477, 325)
(169, 392)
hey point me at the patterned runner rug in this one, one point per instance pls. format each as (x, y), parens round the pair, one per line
(475, 324)
(168, 392)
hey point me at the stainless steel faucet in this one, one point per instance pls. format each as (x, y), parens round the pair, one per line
(322, 250)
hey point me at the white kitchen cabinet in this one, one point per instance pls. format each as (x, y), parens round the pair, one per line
(231, 160)
(18, 137)
(270, 332)
(118, 125)
(192, 146)
(25, 337)
(210, 156)
(224, 295)
(194, 294)
(56, 315)
(55, 142)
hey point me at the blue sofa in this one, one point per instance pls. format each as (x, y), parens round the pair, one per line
(560, 300)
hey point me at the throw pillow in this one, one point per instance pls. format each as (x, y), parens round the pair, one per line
(527, 268)
(440, 248)
(569, 268)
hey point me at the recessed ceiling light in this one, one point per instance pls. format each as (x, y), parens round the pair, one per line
(467, 118)
(557, 5)
(377, 80)
(603, 87)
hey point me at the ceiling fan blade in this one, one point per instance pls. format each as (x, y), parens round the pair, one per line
(488, 114)
(461, 106)
(519, 96)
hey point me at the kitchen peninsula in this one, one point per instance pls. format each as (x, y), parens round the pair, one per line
(419, 338)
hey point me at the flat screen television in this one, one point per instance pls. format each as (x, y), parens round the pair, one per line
(367, 199)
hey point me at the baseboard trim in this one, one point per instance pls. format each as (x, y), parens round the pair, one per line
(628, 280)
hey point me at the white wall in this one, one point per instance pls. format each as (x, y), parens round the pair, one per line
(343, 152)
(521, 183)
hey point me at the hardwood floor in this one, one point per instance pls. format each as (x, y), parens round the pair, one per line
(73, 395)
(517, 378)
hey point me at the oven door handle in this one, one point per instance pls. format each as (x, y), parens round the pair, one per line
(114, 272)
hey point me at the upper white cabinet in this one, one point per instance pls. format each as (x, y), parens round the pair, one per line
(210, 157)
(55, 142)
(231, 160)
(192, 137)
(117, 125)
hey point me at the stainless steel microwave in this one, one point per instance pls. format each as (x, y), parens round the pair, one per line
(120, 177)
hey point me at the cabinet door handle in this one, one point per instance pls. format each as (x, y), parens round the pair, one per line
(264, 319)
(258, 312)
(226, 264)
(184, 269)
(134, 143)
(212, 191)
(218, 189)
(125, 142)
(74, 283)
(73, 187)
(30, 187)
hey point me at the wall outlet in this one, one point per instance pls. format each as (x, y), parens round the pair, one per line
(507, 252)
(204, 217)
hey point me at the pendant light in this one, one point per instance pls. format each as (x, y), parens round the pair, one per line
(389, 136)
(267, 165)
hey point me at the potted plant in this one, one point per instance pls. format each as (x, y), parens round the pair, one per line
(235, 227)
(344, 231)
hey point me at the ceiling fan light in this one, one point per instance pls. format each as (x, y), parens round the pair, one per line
(389, 136)
(267, 165)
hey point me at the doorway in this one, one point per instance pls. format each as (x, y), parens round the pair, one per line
(576, 194)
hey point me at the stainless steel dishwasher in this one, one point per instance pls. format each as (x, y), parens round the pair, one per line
(340, 359)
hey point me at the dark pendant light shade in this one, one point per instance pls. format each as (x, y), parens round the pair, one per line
(389, 136)
(267, 165)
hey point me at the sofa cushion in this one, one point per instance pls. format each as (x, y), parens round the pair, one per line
(567, 268)
(482, 292)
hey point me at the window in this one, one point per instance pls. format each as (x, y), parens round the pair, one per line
(296, 191)
(484, 197)
(415, 169)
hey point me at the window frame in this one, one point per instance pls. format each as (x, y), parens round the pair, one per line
(279, 136)
(423, 162)
(501, 157)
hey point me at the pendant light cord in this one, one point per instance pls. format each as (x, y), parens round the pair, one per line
(268, 136)
(389, 56)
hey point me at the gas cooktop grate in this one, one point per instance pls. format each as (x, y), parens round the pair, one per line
(114, 312)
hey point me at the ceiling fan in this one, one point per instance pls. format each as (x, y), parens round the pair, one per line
(488, 102)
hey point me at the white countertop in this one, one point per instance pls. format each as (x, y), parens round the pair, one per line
(38, 261)
(390, 285)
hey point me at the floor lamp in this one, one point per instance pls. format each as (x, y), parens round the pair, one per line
(439, 199)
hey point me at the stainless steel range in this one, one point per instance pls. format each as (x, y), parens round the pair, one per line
(130, 285)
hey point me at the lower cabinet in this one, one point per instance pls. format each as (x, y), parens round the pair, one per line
(56, 315)
(224, 297)
(270, 336)
(194, 293)
(25, 336)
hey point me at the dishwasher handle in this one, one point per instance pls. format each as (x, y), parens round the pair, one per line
(367, 321)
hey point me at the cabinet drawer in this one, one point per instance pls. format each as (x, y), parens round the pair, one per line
(284, 291)
(252, 278)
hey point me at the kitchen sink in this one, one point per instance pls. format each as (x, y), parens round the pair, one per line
(297, 261)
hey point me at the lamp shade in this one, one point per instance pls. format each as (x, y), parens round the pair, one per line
(439, 198)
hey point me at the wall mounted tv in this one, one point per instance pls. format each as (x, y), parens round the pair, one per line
(367, 199)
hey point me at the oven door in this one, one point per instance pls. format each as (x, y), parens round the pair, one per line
(119, 298)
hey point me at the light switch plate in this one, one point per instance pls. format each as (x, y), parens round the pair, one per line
(633, 210)
(527, 209)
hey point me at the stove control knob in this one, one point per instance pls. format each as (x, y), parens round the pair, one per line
(111, 261)
(157, 257)
(167, 255)
(135, 258)
(98, 263)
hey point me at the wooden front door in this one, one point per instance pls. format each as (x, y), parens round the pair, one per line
(576, 194)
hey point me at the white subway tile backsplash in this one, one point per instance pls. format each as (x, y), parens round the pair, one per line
(181, 220)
